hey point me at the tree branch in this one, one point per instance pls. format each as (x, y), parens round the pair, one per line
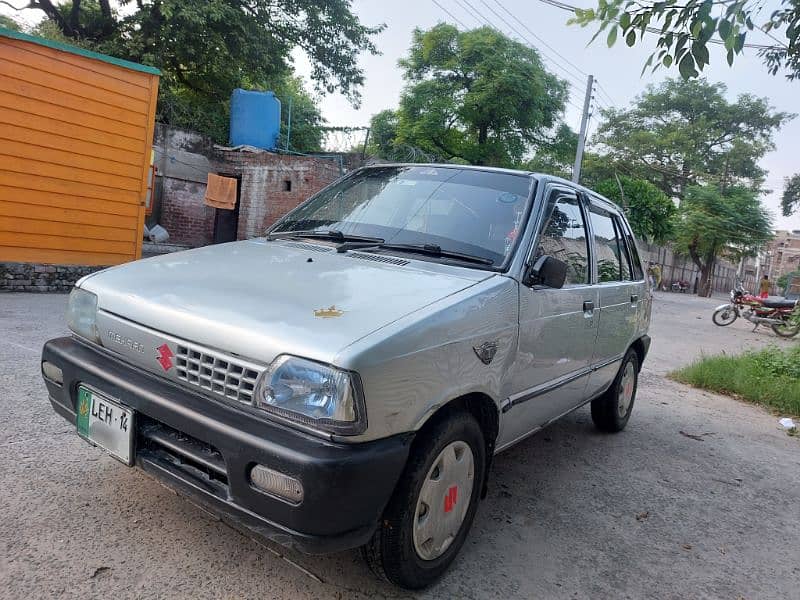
(54, 15)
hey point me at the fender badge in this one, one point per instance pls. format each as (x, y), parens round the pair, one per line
(328, 313)
(486, 351)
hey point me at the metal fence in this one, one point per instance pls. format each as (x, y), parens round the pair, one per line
(677, 269)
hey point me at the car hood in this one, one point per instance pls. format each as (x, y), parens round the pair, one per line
(259, 298)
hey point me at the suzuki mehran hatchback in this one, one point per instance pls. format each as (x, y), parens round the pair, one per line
(345, 380)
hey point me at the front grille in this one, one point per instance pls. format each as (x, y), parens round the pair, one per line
(217, 373)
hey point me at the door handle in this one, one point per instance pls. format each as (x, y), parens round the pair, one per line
(634, 298)
(588, 306)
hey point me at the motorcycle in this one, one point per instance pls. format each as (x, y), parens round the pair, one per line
(680, 286)
(783, 316)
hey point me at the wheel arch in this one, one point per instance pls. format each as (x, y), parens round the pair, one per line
(486, 413)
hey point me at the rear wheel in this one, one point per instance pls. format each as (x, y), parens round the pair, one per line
(611, 411)
(724, 316)
(787, 329)
(431, 511)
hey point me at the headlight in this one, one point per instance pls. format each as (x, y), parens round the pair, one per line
(314, 394)
(82, 314)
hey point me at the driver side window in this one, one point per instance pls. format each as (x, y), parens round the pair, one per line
(564, 236)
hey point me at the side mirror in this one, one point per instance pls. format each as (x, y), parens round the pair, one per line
(547, 271)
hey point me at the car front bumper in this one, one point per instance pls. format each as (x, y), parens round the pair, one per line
(204, 449)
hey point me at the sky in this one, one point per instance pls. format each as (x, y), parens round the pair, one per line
(617, 69)
(568, 54)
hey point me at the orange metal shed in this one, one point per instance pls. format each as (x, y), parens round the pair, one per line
(76, 133)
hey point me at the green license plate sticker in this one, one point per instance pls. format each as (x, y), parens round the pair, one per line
(84, 407)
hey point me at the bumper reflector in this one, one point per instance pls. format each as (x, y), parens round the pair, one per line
(275, 483)
(52, 372)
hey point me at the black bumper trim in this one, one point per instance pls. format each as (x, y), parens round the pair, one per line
(346, 486)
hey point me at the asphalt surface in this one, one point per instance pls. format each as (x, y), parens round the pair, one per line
(572, 513)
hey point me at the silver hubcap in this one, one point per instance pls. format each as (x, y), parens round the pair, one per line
(625, 396)
(443, 500)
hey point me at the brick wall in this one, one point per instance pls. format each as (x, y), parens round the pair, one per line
(271, 184)
(184, 213)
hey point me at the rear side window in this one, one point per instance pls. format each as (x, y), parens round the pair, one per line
(633, 252)
(564, 237)
(613, 263)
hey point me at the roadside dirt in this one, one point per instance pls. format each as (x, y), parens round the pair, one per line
(697, 498)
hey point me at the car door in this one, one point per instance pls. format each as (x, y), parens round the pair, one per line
(557, 327)
(618, 292)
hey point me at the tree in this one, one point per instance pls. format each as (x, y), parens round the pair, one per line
(7, 22)
(382, 134)
(712, 222)
(307, 121)
(650, 212)
(206, 49)
(476, 96)
(790, 201)
(556, 156)
(683, 133)
(684, 31)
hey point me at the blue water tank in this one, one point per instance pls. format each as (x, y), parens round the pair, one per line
(255, 119)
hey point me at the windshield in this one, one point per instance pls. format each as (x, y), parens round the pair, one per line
(459, 210)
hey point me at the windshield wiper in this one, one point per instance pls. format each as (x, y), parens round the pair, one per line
(331, 234)
(426, 249)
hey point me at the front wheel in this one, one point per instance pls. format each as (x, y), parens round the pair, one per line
(788, 328)
(431, 511)
(725, 315)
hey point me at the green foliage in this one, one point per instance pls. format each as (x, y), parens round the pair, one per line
(783, 281)
(206, 49)
(711, 222)
(307, 120)
(556, 156)
(685, 31)
(683, 133)
(770, 377)
(7, 22)
(382, 135)
(476, 96)
(790, 201)
(649, 211)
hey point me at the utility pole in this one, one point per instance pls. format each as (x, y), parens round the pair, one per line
(576, 170)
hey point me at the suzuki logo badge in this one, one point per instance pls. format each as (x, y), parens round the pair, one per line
(164, 357)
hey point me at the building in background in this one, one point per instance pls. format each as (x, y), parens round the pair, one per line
(782, 255)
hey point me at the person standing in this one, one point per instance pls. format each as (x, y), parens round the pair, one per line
(763, 287)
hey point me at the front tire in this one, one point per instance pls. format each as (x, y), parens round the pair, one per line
(612, 410)
(431, 511)
(724, 316)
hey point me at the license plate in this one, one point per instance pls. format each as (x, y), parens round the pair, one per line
(105, 423)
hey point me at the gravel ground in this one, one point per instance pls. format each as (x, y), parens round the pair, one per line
(648, 513)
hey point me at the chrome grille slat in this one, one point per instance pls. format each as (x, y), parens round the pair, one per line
(221, 374)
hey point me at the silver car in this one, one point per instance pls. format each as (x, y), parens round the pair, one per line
(345, 380)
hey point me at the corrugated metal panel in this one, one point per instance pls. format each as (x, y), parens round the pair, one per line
(76, 132)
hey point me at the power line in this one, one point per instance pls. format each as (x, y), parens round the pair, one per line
(451, 15)
(468, 11)
(545, 57)
(528, 29)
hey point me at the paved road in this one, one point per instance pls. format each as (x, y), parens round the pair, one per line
(648, 513)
